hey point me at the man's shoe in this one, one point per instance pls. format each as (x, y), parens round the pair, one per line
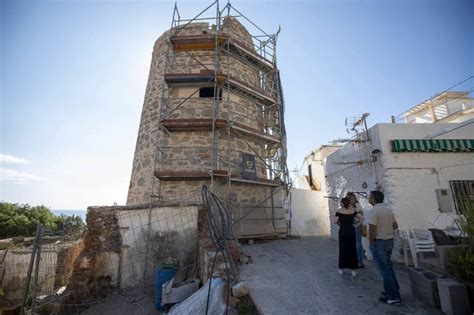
(390, 302)
(384, 296)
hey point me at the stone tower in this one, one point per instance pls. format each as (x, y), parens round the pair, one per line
(213, 115)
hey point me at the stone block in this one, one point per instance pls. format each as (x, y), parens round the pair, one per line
(453, 297)
(424, 285)
(429, 296)
(416, 275)
(240, 289)
(233, 301)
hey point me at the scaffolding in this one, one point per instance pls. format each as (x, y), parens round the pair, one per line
(214, 63)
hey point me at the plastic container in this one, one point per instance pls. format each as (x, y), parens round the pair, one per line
(163, 274)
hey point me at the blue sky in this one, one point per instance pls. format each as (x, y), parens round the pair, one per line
(73, 77)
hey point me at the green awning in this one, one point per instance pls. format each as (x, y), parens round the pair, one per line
(438, 145)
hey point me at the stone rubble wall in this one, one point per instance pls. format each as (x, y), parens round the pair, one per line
(244, 111)
(236, 66)
(96, 269)
(207, 252)
(142, 170)
(195, 28)
(124, 246)
(192, 151)
(235, 29)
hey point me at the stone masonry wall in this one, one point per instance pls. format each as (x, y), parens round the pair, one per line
(123, 247)
(191, 151)
(185, 62)
(96, 269)
(233, 28)
(142, 169)
(244, 111)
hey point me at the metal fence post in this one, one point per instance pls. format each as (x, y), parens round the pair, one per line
(30, 269)
(35, 279)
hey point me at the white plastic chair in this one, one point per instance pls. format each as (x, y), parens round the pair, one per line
(420, 241)
(402, 236)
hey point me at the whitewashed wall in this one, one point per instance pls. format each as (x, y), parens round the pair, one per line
(310, 215)
(409, 180)
(349, 169)
(173, 234)
(317, 160)
(310, 207)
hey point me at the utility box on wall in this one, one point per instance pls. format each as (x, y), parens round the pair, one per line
(445, 200)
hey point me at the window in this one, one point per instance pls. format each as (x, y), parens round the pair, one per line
(209, 92)
(463, 194)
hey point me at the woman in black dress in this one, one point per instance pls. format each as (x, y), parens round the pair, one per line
(347, 237)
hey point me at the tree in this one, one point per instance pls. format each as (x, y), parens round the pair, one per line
(21, 220)
(70, 224)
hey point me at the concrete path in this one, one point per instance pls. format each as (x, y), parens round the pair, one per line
(300, 277)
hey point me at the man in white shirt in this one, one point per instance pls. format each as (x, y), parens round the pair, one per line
(382, 224)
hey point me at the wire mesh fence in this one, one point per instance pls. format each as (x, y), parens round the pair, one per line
(119, 253)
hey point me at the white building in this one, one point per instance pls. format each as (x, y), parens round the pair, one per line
(423, 168)
(309, 201)
(447, 107)
(420, 167)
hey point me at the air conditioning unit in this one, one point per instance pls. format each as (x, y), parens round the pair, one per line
(445, 200)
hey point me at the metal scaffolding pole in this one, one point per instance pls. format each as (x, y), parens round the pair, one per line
(224, 50)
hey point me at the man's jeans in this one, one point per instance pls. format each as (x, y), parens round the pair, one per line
(360, 249)
(382, 253)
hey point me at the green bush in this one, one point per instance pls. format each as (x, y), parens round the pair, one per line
(462, 263)
(21, 220)
(462, 260)
(465, 221)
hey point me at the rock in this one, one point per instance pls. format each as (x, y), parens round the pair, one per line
(245, 259)
(233, 301)
(240, 289)
(424, 285)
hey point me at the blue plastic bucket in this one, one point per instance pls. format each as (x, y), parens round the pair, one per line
(162, 276)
